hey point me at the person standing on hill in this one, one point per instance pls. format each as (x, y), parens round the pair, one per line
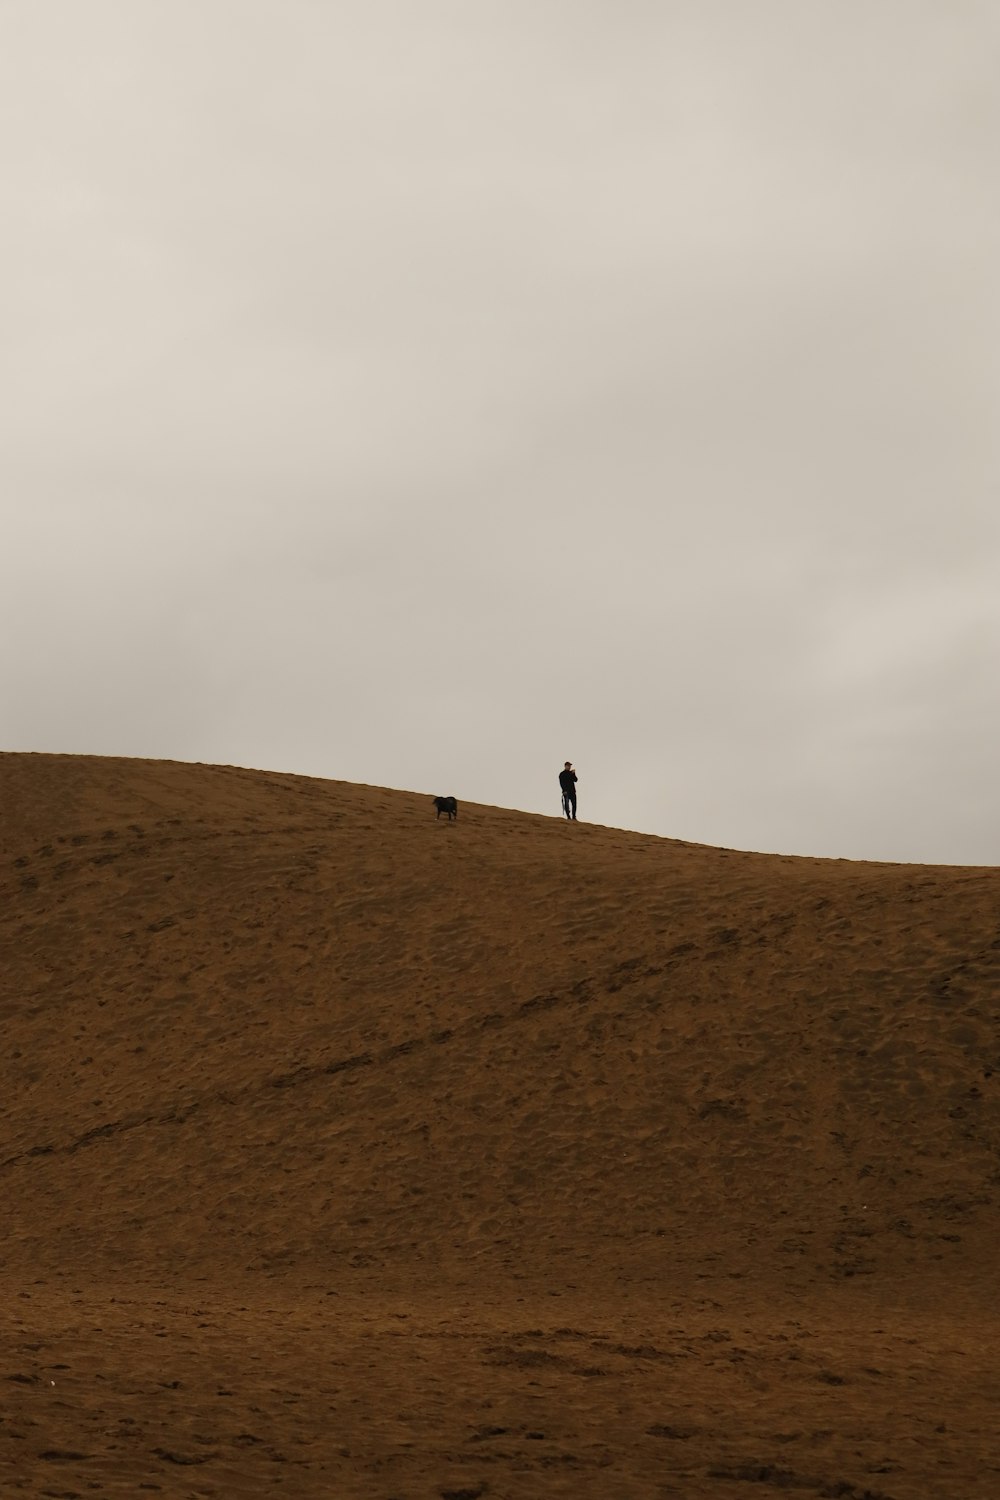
(567, 780)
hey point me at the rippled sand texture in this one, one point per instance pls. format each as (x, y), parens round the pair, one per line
(346, 1151)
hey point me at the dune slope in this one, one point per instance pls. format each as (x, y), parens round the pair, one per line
(275, 1046)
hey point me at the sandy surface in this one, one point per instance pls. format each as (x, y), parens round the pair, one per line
(350, 1152)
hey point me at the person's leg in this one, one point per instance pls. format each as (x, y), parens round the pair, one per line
(572, 806)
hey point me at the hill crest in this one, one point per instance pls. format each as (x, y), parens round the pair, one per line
(331, 1030)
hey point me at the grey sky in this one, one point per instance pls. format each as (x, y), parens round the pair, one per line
(424, 393)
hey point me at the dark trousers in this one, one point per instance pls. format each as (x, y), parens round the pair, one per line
(569, 803)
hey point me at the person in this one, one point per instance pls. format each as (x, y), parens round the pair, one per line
(567, 780)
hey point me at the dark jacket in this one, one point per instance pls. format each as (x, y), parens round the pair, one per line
(567, 780)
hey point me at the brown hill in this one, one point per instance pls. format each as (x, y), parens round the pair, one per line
(410, 1140)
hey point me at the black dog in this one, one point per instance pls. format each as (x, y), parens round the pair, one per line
(446, 805)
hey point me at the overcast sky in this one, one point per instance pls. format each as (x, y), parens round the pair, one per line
(425, 392)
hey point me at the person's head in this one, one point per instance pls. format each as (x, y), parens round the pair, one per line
(569, 765)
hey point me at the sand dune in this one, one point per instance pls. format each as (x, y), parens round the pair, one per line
(348, 1152)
